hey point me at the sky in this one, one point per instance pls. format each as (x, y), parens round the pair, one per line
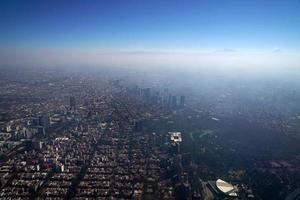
(154, 32)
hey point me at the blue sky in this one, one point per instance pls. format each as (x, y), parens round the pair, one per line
(154, 25)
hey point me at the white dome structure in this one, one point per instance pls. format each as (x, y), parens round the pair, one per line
(226, 188)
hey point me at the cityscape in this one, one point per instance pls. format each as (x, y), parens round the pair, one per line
(74, 136)
(149, 100)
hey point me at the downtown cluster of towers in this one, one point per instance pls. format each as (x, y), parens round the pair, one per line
(163, 98)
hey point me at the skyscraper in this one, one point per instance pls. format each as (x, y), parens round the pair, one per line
(44, 121)
(182, 101)
(174, 102)
(169, 101)
(146, 94)
(72, 102)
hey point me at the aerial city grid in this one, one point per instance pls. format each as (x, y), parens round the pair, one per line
(150, 100)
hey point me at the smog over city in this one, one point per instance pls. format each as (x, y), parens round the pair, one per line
(150, 99)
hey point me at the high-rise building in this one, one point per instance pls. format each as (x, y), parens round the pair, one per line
(43, 121)
(62, 168)
(174, 102)
(72, 102)
(182, 101)
(138, 125)
(169, 102)
(147, 94)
